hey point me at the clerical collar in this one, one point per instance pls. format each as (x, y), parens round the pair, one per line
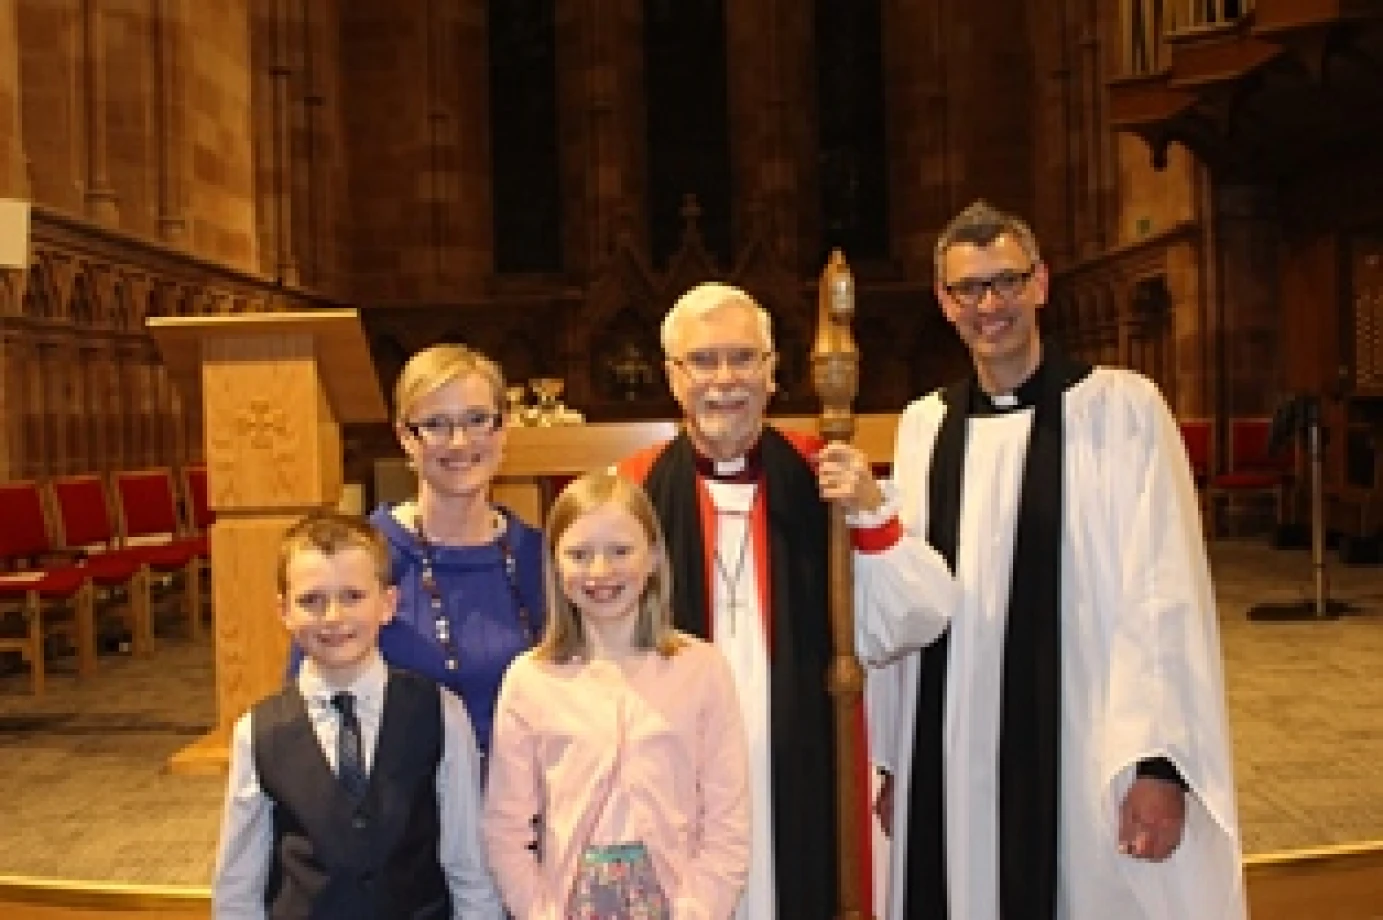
(740, 470)
(1024, 397)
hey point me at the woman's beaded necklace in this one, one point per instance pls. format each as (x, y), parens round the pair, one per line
(437, 607)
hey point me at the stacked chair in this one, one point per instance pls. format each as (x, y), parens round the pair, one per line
(86, 532)
(1254, 469)
(54, 592)
(149, 530)
(73, 548)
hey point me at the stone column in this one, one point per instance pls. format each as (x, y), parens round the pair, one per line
(100, 195)
(171, 44)
(280, 73)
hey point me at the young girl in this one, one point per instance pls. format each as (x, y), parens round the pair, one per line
(622, 736)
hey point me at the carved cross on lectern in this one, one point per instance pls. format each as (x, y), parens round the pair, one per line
(262, 423)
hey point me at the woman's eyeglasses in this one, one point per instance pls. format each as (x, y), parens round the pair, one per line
(440, 430)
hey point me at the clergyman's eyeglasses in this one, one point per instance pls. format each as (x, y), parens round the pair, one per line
(1006, 285)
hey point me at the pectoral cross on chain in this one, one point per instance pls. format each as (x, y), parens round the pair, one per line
(732, 578)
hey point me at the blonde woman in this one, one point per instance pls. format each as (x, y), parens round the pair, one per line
(469, 573)
(620, 734)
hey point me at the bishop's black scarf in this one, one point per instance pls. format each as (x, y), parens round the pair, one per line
(801, 716)
(1030, 715)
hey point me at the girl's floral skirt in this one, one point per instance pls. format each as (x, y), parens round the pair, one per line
(617, 882)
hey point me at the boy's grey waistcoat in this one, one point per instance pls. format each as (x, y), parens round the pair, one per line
(331, 858)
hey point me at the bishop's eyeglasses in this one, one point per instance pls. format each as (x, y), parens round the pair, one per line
(703, 364)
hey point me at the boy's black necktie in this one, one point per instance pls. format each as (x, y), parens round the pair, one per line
(350, 761)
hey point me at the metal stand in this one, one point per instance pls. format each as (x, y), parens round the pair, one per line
(1319, 606)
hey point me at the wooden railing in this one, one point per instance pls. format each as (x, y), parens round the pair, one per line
(1146, 24)
(83, 387)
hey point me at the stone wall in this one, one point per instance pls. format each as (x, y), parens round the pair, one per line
(135, 113)
(342, 146)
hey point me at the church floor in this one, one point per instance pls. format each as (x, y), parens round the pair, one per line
(83, 793)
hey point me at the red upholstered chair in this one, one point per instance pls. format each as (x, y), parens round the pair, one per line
(199, 513)
(50, 597)
(147, 509)
(85, 527)
(1253, 470)
(1197, 434)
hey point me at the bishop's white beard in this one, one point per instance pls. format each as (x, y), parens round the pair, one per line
(728, 434)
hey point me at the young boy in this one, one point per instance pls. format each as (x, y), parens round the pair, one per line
(355, 792)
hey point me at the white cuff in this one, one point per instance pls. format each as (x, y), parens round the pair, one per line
(868, 520)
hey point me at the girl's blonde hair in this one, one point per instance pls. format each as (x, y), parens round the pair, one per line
(563, 638)
(437, 366)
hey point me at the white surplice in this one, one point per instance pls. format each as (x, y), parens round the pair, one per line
(738, 631)
(1141, 667)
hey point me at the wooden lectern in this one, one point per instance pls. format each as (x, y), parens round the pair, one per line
(275, 389)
